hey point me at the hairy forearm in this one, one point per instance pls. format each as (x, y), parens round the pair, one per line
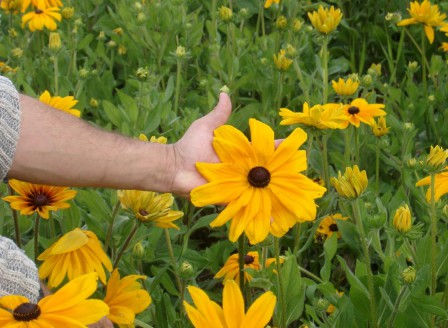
(59, 149)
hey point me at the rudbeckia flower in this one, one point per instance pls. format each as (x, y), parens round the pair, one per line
(125, 298)
(38, 198)
(352, 184)
(67, 307)
(424, 13)
(345, 87)
(328, 226)
(325, 20)
(359, 110)
(402, 219)
(380, 128)
(231, 315)
(269, 3)
(35, 3)
(42, 16)
(322, 117)
(261, 185)
(441, 185)
(76, 253)
(63, 103)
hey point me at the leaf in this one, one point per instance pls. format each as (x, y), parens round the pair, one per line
(330, 248)
(353, 280)
(114, 114)
(430, 304)
(130, 106)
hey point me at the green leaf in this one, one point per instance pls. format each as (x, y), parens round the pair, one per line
(430, 304)
(352, 279)
(330, 248)
(114, 113)
(130, 106)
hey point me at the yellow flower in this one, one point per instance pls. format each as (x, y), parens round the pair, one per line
(380, 128)
(331, 307)
(231, 315)
(38, 198)
(402, 219)
(352, 184)
(150, 207)
(328, 226)
(436, 158)
(426, 14)
(6, 68)
(230, 270)
(260, 184)
(35, 3)
(67, 307)
(76, 253)
(269, 3)
(281, 62)
(42, 16)
(325, 20)
(345, 88)
(444, 46)
(225, 13)
(125, 298)
(11, 6)
(359, 110)
(328, 116)
(162, 140)
(62, 103)
(441, 185)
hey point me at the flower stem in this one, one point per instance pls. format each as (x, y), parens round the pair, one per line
(36, 237)
(177, 92)
(324, 57)
(281, 291)
(356, 145)
(310, 274)
(325, 161)
(173, 259)
(15, 218)
(433, 236)
(111, 225)
(412, 251)
(126, 244)
(241, 262)
(56, 74)
(377, 167)
(396, 306)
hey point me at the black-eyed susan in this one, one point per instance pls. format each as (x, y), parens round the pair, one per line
(325, 20)
(67, 307)
(359, 110)
(352, 184)
(42, 16)
(260, 184)
(281, 61)
(436, 159)
(440, 184)
(328, 226)
(402, 219)
(76, 253)
(424, 13)
(150, 207)
(269, 3)
(328, 116)
(40, 199)
(345, 88)
(11, 6)
(380, 128)
(232, 313)
(63, 103)
(125, 298)
(35, 3)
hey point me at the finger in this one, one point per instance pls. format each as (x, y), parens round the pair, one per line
(221, 113)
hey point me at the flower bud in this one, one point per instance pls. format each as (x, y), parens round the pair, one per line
(55, 42)
(122, 50)
(281, 23)
(138, 250)
(93, 102)
(17, 52)
(244, 13)
(225, 89)
(68, 12)
(322, 304)
(297, 25)
(436, 158)
(225, 14)
(101, 36)
(83, 73)
(408, 275)
(118, 31)
(141, 17)
(186, 270)
(180, 52)
(281, 62)
(374, 70)
(352, 184)
(379, 128)
(12, 33)
(290, 50)
(431, 98)
(402, 219)
(367, 80)
(412, 66)
(142, 73)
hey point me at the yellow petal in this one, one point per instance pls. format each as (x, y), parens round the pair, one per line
(262, 138)
(260, 311)
(233, 304)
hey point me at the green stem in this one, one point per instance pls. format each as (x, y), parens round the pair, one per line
(377, 167)
(126, 244)
(325, 161)
(412, 251)
(347, 151)
(281, 291)
(241, 255)
(52, 227)
(177, 92)
(15, 218)
(56, 74)
(297, 235)
(173, 259)
(396, 306)
(279, 90)
(357, 159)
(423, 54)
(365, 248)
(433, 236)
(309, 148)
(311, 275)
(324, 57)
(36, 238)
(302, 83)
(111, 226)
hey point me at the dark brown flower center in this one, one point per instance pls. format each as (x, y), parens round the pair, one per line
(333, 227)
(143, 212)
(38, 11)
(41, 200)
(26, 312)
(353, 110)
(259, 177)
(248, 259)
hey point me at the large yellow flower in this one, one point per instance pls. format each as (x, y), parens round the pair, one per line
(359, 110)
(63, 103)
(345, 87)
(269, 3)
(38, 198)
(261, 185)
(150, 207)
(424, 13)
(35, 3)
(328, 226)
(42, 16)
(441, 185)
(76, 253)
(328, 116)
(68, 307)
(125, 298)
(231, 315)
(325, 20)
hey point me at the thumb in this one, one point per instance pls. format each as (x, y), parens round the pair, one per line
(221, 113)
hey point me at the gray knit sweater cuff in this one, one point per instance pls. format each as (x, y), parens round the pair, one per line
(9, 124)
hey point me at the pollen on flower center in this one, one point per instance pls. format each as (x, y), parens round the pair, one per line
(40, 200)
(353, 110)
(248, 259)
(333, 227)
(259, 177)
(26, 312)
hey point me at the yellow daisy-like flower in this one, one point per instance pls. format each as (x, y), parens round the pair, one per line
(42, 199)
(402, 219)
(345, 87)
(63, 103)
(231, 315)
(328, 116)
(161, 140)
(231, 270)
(424, 13)
(444, 46)
(150, 207)
(380, 128)
(4, 68)
(68, 307)
(328, 226)
(125, 298)
(441, 185)
(42, 16)
(352, 184)
(76, 253)
(325, 20)
(261, 185)
(11, 6)
(269, 3)
(35, 3)
(359, 110)
(281, 62)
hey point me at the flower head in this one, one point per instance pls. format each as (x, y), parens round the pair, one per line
(328, 226)
(441, 185)
(42, 16)
(281, 62)
(408, 275)
(150, 207)
(231, 315)
(328, 116)
(260, 184)
(35, 3)
(359, 110)
(62, 103)
(380, 128)
(76, 253)
(269, 3)
(11, 6)
(40, 199)
(125, 298)
(325, 20)
(436, 158)
(345, 87)
(352, 184)
(402, 219)
(424, 13)
(67, 307)
(225, 13)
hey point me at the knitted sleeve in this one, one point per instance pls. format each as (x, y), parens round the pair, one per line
(9, 124)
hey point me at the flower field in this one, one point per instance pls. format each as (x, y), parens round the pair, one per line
(328, 207)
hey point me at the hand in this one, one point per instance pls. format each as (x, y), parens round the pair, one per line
(103, 323)
(196, 146)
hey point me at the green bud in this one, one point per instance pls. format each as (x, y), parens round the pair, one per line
(408, 275)
(186, 270)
